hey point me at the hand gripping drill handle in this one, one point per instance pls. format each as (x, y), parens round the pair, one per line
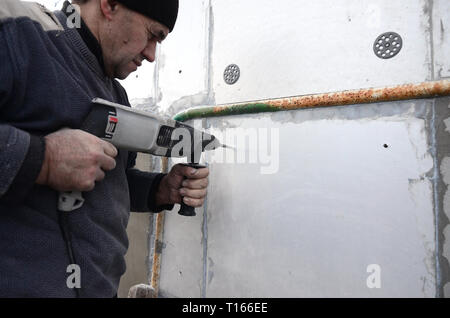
(187, 210)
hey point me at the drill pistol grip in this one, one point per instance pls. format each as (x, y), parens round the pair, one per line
(187, 210)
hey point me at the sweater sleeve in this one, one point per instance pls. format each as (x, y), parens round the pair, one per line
(21, 159)
(143, 187)
(21, 155)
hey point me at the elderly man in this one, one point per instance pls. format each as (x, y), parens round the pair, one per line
(49, 73)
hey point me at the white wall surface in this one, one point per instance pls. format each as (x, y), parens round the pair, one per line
(340, 201)
(294, 47)
(441, 38)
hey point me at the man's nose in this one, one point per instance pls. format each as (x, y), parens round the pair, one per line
(150, 51)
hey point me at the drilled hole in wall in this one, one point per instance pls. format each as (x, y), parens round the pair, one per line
(386, 146)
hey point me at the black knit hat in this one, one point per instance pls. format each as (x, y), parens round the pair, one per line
(163, 11)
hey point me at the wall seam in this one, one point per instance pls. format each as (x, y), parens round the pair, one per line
(435, 157)
(430, 12)
(210, 36)
(436, 196)
(210, 100)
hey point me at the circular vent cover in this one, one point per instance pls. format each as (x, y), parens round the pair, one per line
(387, 45)
(231, 74)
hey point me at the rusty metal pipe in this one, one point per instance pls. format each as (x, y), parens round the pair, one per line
(360, 96)
(158, 228)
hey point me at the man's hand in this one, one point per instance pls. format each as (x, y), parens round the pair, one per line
(173, 186)
(75, 160)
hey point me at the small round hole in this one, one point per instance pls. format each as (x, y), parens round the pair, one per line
(386, 146)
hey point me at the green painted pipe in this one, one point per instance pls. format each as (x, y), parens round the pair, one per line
(351, 97)
(211, 111)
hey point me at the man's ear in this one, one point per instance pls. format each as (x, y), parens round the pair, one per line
(108, 8)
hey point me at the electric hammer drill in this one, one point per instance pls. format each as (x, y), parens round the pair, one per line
(140, 131)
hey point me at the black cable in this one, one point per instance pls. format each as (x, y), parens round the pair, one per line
(65, 229)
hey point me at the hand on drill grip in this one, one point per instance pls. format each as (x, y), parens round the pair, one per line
(174, 186)
(75, 160)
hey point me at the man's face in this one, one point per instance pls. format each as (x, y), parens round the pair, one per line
(130, 38)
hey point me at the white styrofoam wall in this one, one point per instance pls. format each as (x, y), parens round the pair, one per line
(441, 38)
(340, 201)
(294, 47)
